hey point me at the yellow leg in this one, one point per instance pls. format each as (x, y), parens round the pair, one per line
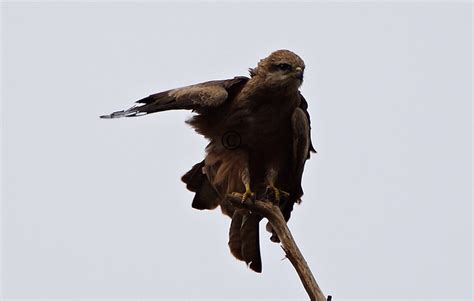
(276, 192)
(248, 193)
(272, 193)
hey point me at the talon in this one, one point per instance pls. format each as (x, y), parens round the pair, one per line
(276, 192)
(248, 194)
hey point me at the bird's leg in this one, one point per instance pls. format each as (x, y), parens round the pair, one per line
(248, 194)
(272, 193)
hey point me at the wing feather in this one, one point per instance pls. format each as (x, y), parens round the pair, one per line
(301, 148)
(304, 107)
(197, 97)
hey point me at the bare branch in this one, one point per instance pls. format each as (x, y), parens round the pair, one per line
(272, 212)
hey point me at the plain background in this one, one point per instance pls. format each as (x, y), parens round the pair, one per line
(95, 208)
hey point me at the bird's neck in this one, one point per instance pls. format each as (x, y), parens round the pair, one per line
(258, 87)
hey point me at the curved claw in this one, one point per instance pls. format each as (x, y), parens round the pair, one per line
(274, 193)
(248, 194)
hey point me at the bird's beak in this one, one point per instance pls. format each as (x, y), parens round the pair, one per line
(299, 73)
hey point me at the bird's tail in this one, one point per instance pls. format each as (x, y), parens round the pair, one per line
(244, 241)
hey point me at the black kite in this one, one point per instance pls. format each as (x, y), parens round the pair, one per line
(259, 133)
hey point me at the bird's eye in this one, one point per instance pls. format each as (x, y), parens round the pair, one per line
(284, 67)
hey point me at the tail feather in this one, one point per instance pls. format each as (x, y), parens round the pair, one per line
(244, 240)
(235, 243)
(249, 234)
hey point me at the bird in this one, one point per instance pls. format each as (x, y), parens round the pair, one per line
(259, 133)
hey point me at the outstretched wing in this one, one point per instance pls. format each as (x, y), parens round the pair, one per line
(196, 97)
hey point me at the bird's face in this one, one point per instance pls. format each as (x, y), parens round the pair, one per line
(282, 68)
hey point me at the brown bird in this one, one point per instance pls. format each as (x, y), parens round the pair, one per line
(259, 133)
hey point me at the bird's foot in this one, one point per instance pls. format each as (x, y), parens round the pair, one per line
(248, 194)
(274, 194)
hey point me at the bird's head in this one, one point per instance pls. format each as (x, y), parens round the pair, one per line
(281, 68)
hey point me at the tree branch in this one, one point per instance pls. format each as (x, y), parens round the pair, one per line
(273, 213)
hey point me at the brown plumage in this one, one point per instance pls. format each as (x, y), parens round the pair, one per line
(259, 133)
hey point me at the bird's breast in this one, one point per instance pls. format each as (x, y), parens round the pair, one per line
(261, 127)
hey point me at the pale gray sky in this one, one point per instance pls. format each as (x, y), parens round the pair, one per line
(95, 208)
